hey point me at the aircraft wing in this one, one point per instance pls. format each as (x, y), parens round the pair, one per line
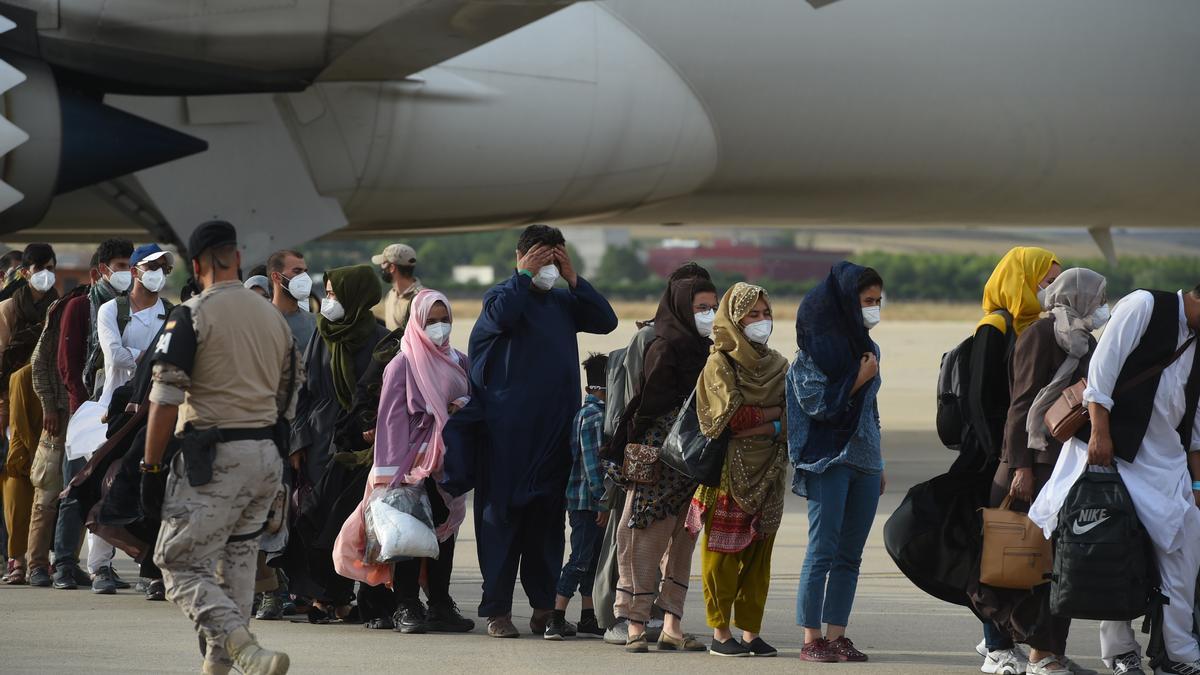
(425, 34)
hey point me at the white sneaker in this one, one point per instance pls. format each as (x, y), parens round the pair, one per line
(1074, 668)
(1007, 662)
(1128, 664)
(1047, 666)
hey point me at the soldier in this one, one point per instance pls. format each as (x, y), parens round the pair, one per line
(225, 373)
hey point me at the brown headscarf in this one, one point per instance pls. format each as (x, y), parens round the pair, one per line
(740, 373)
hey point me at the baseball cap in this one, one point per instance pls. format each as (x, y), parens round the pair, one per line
(210, 235)
(397, 254)
(149, 253)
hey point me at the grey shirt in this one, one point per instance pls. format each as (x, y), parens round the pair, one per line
(303, 324)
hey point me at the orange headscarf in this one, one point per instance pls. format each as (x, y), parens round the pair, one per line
(1013, 286)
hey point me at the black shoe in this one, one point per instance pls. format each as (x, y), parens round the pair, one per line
(102, 582)
(410, 617)
(730, 647)
(39, 578)
(156, 590)
(444, 617)
(589, 628)
(121, 583)
(759, 647)
(556, 628)
(81, 577)
(64, 577)
(270, 609)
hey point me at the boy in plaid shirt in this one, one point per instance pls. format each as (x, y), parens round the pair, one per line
(585, 510)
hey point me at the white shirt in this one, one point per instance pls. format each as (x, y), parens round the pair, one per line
(121, 352)
(1158, 479)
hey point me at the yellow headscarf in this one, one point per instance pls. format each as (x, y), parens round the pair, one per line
(1013, 286)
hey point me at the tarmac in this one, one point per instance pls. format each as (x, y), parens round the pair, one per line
(903, 630)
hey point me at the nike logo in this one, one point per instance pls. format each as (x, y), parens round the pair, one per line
(1076, 528)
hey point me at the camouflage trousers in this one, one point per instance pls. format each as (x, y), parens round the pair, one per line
(208, 575)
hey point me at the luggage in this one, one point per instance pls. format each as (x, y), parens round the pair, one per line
(953, 377)
(690, 452)
(1015, 553)
(641, 464)
(1104, 566)
(399, 525)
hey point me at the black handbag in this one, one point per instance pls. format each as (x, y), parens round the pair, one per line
(690, 452)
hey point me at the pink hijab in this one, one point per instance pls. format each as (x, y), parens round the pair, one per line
(437, 375)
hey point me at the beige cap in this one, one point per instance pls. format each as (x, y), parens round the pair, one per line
(397, 254)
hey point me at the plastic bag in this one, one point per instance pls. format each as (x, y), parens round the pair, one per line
(399, 524)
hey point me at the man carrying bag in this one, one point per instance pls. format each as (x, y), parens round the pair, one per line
(1148, 431)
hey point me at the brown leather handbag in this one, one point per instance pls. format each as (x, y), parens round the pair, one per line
(1015, 553)
(1069, 413)
(641, 464)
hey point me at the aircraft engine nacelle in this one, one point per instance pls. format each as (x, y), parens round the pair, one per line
(561, 119)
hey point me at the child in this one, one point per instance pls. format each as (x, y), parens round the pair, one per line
(585, 511)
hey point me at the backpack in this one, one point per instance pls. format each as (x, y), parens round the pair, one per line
(124, 313)
(953, 377)
(1104, 565)
(614, 401)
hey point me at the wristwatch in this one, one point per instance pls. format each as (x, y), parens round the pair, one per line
(149, 468)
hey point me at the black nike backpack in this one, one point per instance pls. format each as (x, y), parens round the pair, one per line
(1104, 566)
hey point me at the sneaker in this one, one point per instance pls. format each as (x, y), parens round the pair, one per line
(251, 658)
(617, 634)
(570, 630)
(81, 577)
(1129, 663)
(64, 577)
(39, 578)
(102, 582)
(556, 629)
(846, 652)
(637, 645)
(270, 609)
(819, 651)
(409, 617)
(122, 585)
(759, 647)
(685, 643)
(1074, 668)
(537, 622)
(1005, 662)
(444, 617)
(1047, 666)
(730, 647)
(588, 628)
(156, 590)
(1171, 668)
(502, 627)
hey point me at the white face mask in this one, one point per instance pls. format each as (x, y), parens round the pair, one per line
(42, 280)
(871, 317)
(1101, 316)
(704, 322)
(546, 277)
(153, 280)
(759, 331)
(332, 309)
(439, 333)
(1041, 295)
(300, 286)
(121, 281)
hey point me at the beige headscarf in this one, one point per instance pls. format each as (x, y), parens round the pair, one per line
(1073, 298)
(754, 467)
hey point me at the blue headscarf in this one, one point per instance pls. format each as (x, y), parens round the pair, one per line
(830, 329)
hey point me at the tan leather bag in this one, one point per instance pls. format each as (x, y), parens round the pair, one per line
(1069, 413)
(641, 464)
(1015, 554)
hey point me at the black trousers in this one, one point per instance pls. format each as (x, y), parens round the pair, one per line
(527, 538)
(406, 576)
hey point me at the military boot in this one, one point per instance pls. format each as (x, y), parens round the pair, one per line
(252, 659)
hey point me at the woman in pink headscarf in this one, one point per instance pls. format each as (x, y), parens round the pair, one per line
(423, 386)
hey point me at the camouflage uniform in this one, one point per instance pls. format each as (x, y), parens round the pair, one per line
(225, 360)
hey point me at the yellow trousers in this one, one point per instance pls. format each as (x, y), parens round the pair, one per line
(25, 418)
(736, 584)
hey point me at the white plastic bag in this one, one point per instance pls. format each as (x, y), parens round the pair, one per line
(85, 432)
(399, 524)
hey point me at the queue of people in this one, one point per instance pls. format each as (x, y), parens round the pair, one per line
(339, 415)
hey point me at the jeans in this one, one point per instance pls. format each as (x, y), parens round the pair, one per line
(70, 521)
(841, 507)
(580, 571)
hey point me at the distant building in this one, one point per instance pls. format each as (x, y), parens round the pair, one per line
(753, 261)
(484, 275)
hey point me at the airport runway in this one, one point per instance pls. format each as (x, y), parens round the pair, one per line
(903, 630)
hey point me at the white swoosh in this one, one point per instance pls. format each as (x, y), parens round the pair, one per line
(1076, 529)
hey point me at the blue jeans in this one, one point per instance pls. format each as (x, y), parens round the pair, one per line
(841, 508)
(69, 528)
(580, 570)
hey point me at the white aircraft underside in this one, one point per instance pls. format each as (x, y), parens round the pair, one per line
(366, 117)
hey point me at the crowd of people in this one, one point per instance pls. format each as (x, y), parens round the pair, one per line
(256, 431)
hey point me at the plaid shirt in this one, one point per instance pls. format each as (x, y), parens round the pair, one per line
(585, 489)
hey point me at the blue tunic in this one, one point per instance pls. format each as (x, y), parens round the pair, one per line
(525, 377)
